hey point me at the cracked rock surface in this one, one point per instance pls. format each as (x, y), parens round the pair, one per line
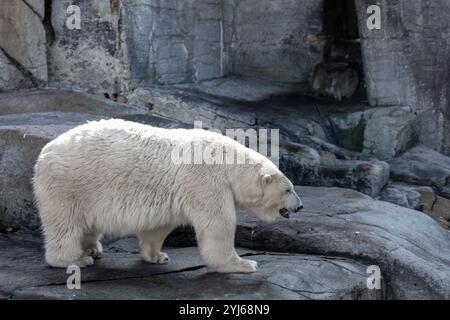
(122, 274)
(23, 60)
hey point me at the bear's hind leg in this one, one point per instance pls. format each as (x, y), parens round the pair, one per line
(151, 243)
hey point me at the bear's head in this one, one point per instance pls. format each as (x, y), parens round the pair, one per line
(269, 194)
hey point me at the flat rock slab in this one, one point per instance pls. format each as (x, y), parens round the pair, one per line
(121, 274)
(47, 125)
(52, 100)
(368, 177)
(408, 196)
(411, 249)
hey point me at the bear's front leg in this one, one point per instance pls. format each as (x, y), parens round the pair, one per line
(151, 243)
(216, 243)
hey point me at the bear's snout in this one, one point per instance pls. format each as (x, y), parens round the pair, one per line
(294, 204)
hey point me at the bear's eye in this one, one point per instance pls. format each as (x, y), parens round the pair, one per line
(288, 191)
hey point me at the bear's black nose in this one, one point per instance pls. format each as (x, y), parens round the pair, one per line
(298, 209)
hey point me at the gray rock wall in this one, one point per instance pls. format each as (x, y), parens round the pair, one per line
(146, 42)
(406, 62)
(173, 41)
(136, 42)
(93, 57)
(23, 60)
(279, 40)
(124, 44)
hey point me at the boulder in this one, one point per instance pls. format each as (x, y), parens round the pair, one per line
(389, 131)
(21, 139)
(337, 80)
(368, 177)
(435, 206)
(22, 136)
(28, 121)
(420, 198)
(122, 274)
(425, 167)
(382, 132)
(349, 129)
(299, 163)
(403, 195)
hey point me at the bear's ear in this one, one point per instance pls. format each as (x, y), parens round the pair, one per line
(266, 179)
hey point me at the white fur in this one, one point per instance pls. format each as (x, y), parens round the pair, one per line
(117, 177)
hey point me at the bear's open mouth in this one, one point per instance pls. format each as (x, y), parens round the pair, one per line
(284, 213)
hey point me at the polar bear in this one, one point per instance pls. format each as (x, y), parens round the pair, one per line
(118, 177)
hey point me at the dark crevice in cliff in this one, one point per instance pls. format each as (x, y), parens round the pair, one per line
(50, 34)
(116, 8)
(47, 23)
(342, 56)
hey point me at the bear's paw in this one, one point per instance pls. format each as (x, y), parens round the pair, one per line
(159, 258)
